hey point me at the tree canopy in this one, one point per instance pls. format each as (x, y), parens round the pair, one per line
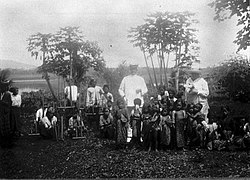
(66, 53)
(225, 9)
(167, 33)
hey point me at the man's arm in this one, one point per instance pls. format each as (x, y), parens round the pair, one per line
(203, 90)
(122, 88)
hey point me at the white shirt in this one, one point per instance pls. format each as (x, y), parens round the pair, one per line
(202, 87)
(94, 95)
(74, 92)
(128, 88)
(40, 113)
(16, 100)
(105, 98)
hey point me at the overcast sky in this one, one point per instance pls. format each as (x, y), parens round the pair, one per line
(107, 22)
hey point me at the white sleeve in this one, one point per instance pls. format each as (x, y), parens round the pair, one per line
(122, 88)
(37, 114)
(87, 98)
(144, 88)
(204, 91)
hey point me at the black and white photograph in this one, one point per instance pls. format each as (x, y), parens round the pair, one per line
(124, 89)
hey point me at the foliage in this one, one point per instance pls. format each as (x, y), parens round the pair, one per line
(66, 54)
(32, 100)
(71, 49)
(225, 9)
(167, 33)
(234, 76)
(114, 76)
(5, 75)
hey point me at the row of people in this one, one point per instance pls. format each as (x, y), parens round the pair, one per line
(10, 124)
(175, 126)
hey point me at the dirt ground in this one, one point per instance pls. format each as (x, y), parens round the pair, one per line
(91, 157)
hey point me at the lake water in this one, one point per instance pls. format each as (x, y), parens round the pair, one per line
(21, 90)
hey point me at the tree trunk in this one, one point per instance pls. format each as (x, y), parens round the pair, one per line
(154, 70)
(45, 74)
(178, 70)
(46, 77)
(150, 78)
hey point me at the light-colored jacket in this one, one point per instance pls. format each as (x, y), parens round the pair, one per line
(128, 88)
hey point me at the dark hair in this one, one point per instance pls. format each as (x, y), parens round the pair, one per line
(105, 85)
(199, 106)
(137, 101)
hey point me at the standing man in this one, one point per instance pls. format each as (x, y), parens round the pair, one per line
(132, 87)
(198, 92)
(71, 93)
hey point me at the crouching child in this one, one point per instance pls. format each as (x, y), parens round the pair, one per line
(106, 124)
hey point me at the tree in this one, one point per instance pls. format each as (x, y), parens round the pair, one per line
(66, 54)
(225, 9)
(234, 76)
(40, 45)
(72, 56)
(164, 34)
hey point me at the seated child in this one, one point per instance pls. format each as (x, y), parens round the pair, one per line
(76, 125)
(106, 96)
(136, 121)
(47, 123)
(106, 124)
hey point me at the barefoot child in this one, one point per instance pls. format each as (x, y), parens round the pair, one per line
(179, 117)
(122, 120)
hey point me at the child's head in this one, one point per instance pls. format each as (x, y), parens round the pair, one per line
(197, 107)
(171, 92)
(165, 112)
(106, 111)
(109, 103)
(14, 90)
(137, 102)
(105, 88)
(178, 105)
(146, 108)
(190, 108)
(120, 103)
(164, 101)
(92, 83)
(161, 90)
(170, 105)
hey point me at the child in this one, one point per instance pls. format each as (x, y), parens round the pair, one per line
(197, 126)
(146, 118)
(190, 123)
(76, 125)
(167, 128)
(136, 121)
(122, 120)
(155, 131)
(106, 121)
(48, 122)
(106, 96)
(179, 117)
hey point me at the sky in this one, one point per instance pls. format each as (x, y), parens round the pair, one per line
(107, 22)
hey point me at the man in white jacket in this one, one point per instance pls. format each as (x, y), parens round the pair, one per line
(132, 87)
(199, 91)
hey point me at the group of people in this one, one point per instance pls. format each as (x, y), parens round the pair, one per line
(10, 124)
